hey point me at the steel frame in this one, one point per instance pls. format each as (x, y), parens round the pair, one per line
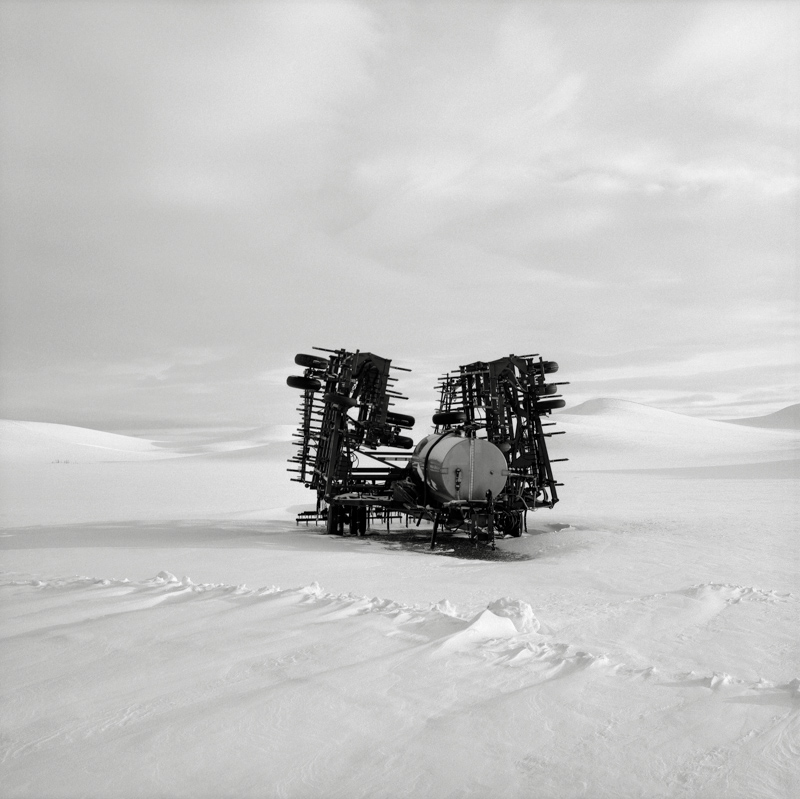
(503, 401)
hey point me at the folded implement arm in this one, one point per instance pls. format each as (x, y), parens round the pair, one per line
(344, 413)
(504, 401)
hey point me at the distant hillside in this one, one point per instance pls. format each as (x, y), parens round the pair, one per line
(607, 433)
(607, 406)
(785, 419)
(43, 442)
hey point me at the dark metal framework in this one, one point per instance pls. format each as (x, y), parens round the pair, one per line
(504, 401)
(346, 417)
(349, 417)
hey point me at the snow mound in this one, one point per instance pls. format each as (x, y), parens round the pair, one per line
(42, 442)
(163, 578)
(486, 625)
(445, 607)
(785, 419)
(520, 613)
(720, 679)
(732, 594)
(608, 406)
(613, 434)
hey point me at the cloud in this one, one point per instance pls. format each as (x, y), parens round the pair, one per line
(737, 56)
(177, 364)
(194, 192)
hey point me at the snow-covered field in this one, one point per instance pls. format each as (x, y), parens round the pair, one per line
(167, 630)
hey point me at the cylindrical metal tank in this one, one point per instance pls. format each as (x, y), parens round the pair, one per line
(455, 467)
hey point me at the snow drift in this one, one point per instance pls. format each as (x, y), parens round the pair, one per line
(219, 690)
(618, 434)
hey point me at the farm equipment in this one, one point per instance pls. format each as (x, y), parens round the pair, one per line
(485, 465)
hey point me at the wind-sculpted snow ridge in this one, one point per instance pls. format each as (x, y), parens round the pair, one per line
(316, 694)
(722, 593)
(506, 633)
(732, 594)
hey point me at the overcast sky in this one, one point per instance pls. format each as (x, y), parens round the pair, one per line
(194, 192)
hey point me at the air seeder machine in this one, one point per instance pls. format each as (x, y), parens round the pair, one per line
(484, 466)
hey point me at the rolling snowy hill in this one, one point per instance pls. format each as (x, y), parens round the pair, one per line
(41, 442)
(639, 640)
(785, 419)
(618, 434)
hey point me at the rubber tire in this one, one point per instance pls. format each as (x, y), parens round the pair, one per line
(358, 521)
(547, 389)
(304, 383)
(400, 420)
(512, 525)
(334, 523)
(340, 400)
(401, 442)
(448, 418)
(549, 405)
(310, 361)
(548, 367)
